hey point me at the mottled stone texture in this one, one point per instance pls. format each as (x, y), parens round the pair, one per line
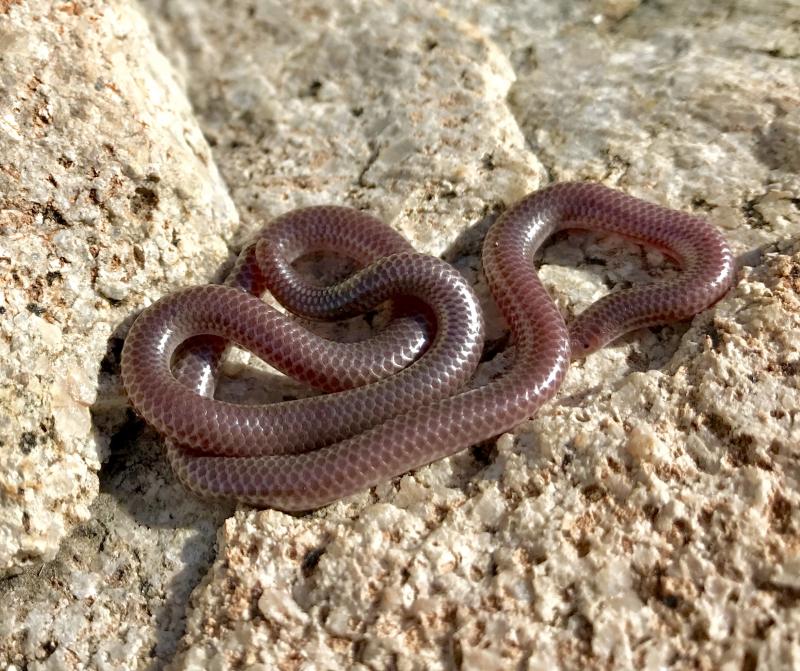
(108, 197)
(648, 518)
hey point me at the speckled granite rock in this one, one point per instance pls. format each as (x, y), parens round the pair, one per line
(115, 596)
(645, 524)
(108, 197)
(647, 518)
(608, 532)
(394, 108)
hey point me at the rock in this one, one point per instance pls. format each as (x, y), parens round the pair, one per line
(308, 110)
(108, 198)
(646, 518)
(627, 529)
(579, 543)
(116, 594)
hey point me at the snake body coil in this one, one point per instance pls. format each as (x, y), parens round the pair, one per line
(391, 409)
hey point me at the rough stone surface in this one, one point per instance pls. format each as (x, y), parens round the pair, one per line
(108, 197)
(115, 596)
(648, 518)
(643, 524)
(397, 109)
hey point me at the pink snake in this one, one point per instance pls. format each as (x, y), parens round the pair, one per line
(397, 400)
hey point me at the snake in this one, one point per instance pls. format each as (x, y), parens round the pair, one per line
(400, 399)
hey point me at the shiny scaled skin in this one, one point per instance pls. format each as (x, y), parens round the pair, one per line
(396, 402)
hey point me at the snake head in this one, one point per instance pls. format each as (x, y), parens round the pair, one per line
(587, 336)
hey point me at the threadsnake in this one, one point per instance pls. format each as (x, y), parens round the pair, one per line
(397, 400)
